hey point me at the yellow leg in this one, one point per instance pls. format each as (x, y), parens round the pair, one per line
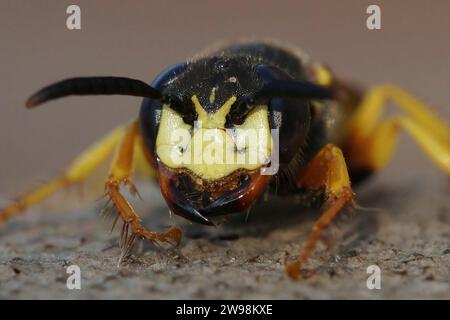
(326, 171)
(120, 173)
(80, 169)
(370, 142)
(378, 147)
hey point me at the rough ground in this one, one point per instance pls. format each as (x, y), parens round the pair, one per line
(409, 239)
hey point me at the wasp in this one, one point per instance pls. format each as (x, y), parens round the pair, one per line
(330, 134)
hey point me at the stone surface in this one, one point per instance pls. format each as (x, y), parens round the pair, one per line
(409, 239)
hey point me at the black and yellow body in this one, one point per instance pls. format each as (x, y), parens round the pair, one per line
(327, 134)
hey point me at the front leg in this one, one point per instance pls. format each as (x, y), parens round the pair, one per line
(328, 171)
(120, 174)
(79, 170)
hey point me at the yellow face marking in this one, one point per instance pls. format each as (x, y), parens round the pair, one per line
(213, 120)
(206, 150)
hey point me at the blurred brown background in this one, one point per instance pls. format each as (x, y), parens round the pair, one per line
(140, 38)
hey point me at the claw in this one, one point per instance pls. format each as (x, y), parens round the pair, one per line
(175, 234)
(292, 268)
(295, 271)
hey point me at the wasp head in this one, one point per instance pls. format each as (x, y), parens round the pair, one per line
(212, 141)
